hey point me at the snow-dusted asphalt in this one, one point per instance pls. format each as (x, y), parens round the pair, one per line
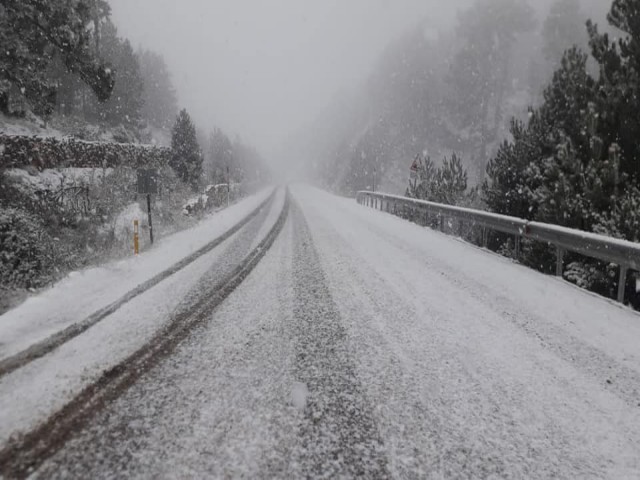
(363, 345)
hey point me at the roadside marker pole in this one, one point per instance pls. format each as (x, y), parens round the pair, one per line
(148, 185)
(228, 187)
(149, 214)
(136, 238)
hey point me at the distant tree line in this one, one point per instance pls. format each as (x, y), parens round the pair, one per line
(444, 91)
(575, 160)
(222, 161)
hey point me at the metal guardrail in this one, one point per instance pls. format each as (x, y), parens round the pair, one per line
(623, 253)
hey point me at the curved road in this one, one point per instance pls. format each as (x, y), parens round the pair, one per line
(364, 346)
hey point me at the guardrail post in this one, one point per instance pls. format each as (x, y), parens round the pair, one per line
(442, 223)
(559, 261)
(485, 237)
(622, 283)
(518, 247)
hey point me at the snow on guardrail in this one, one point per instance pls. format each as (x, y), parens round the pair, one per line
(623, 253)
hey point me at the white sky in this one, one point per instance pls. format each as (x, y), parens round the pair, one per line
(263, 68)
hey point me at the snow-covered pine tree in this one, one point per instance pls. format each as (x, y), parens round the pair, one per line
(618, 102)
(446, 184)
(577, 162)
(451, 181)
(515, 172)
(34, 32)
(423, 187)
(187, 157)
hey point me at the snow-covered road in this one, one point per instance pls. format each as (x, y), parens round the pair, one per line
(363, 345)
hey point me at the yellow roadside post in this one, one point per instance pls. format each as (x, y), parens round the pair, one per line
(136, 238)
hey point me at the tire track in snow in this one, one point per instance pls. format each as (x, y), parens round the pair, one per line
(339, 435)
(49, 344)
(21, 457)
(217, 407)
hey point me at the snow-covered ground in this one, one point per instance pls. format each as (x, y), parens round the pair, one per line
(366, 345)
(82, 293)
(477, 364)
(31, 394)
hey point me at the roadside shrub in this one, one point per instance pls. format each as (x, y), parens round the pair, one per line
(24, 249)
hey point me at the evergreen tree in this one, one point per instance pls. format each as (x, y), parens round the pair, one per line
(124, 107)
(479, 76)
(187, 157)
(508, 187)
(576, 163)
(451, 181)
(618, 99)
(34, 32)
(221, 156)
(423, 187)
(446, 184)
(547, 159)
(160, 103)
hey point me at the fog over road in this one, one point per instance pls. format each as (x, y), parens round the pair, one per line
(363, 345)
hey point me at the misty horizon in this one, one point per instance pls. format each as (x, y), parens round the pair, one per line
(263, 71)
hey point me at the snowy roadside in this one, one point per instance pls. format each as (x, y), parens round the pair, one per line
(602, 323)
(219, 407)
(478, 366)
(82, 293)
(31, 394)
(365, 344)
